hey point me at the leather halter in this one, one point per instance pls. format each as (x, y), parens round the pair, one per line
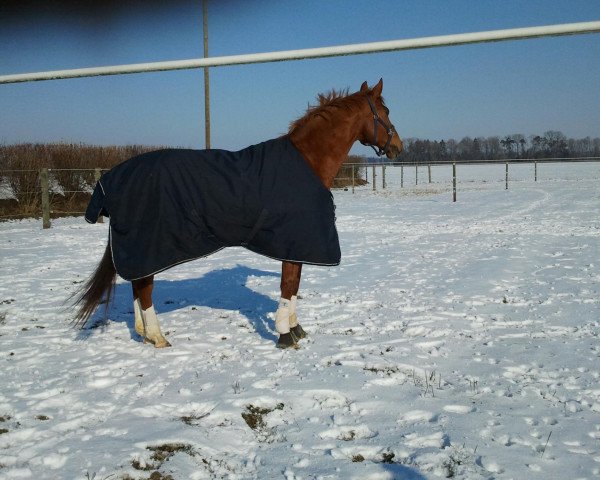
(390, 130)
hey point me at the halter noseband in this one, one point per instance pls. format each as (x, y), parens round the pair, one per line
(390, 130)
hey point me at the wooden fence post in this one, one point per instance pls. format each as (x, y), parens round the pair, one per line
(45, 186)
(454, 182)
(97, 175)
(429, 172)
(401, 176)
(383, 175)
(416, 174)
(535, 171)
(506, 176)
(352, 178)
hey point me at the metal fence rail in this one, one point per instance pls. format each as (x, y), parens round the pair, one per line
(379, 170)
(496, 160)
(323, 52)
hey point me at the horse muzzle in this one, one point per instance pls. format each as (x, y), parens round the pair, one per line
(395, 148)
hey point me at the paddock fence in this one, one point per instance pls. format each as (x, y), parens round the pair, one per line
(415, 173)
(47, 193)
(52, 193)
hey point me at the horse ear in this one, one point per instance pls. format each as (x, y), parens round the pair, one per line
(364, 87)
(377, 89)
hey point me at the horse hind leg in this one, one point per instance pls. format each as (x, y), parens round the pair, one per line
(152, 332)
(149, 328)
(137, 312)
(139, 320)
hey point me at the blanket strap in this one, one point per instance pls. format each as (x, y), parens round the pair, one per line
(257, 226)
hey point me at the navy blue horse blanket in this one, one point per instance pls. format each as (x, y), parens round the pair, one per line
(171, 206)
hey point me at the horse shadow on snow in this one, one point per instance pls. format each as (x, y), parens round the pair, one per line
(223, 289)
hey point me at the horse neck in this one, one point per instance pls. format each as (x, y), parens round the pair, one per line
(326, 142)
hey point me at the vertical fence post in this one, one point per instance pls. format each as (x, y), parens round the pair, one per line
(506, 176)
(416, 174)
(352, 178)
(535, 171)
(97, 175)
(454, 182)
(383, 175)
(45, 186)
(429, 172)
(374, 179)
(401, 176)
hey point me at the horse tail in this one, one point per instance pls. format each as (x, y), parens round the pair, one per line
(99, 287)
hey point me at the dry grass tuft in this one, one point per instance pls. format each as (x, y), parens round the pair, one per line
(71, 177)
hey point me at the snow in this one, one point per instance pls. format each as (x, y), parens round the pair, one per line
(455, 340)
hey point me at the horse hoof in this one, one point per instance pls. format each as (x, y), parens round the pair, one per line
(298, 332)
(162, 343)
(287, 340)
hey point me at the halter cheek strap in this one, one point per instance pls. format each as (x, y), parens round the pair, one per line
(390, 130)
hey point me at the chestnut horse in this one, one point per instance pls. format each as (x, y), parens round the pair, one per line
(323, 137)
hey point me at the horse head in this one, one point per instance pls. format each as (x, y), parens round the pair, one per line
(377, 130)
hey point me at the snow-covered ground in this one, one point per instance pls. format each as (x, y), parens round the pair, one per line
(455, 340)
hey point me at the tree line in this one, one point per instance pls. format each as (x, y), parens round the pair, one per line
(552, 144)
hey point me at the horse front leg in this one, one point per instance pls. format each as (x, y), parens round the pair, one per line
(146, 320)
(286, 319)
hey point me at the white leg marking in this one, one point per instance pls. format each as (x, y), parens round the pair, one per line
(282, 316)
(139, 321)
(152, 328)
(293, 316)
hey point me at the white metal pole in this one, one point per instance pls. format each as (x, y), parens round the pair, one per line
(355, 49)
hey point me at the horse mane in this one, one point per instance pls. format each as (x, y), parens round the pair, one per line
(328, 102)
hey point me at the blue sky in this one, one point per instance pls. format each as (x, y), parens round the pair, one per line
(478, 90)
